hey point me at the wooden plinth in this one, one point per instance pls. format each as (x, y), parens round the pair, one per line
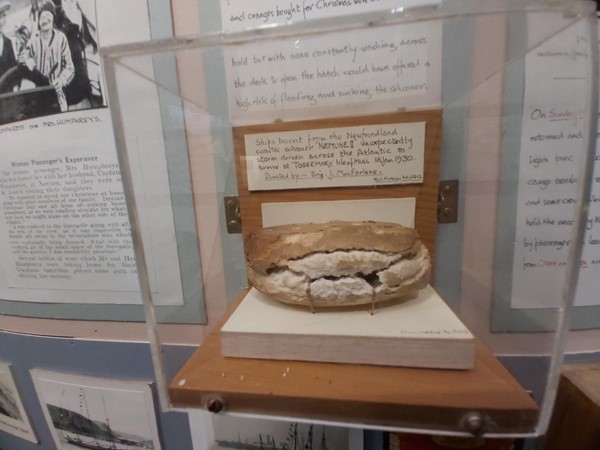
(386, 396)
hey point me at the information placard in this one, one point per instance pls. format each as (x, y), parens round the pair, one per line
(552, 145)
(64, 229)
(239, 15)
(368, 68)
(346, 156)
(373, 68)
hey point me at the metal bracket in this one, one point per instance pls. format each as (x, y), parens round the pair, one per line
(448, 201)
(232, 214)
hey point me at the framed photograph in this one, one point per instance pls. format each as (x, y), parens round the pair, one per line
(95, 413)
(13, 418)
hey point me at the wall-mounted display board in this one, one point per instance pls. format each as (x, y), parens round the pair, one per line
(64, 229)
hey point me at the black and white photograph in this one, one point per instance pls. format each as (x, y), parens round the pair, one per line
(49, 61)
(13, 418)
(232, 432)
(98, 414)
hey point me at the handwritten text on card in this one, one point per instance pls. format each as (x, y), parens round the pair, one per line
(359, 67)
(552, 145)
(239, 15)
(347, 156)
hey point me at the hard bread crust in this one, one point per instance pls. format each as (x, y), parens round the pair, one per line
(337, 263)
(266, 248)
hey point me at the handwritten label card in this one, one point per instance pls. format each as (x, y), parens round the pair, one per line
(347, 156)
(237, 15)
(552, 143)
(367, 68)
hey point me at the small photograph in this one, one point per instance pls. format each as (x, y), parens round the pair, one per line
(97, 414)
(13, 418)
(257, 434)
(49, 61)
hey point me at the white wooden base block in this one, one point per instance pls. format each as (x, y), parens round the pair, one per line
(421, 331)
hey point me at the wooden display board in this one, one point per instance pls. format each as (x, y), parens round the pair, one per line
(426, 193)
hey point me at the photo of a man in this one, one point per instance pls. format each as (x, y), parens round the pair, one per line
(47, 56)
(49, 63)
(7, 54)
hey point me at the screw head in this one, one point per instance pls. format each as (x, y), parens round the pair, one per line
(474, 424)
(214, 405)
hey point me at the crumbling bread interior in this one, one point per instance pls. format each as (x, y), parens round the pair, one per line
(337, 263)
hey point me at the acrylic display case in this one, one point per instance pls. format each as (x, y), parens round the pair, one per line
(471, 121)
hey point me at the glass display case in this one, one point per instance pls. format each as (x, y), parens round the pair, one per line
(471, 122)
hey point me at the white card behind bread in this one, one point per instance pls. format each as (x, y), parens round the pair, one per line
(394, 210)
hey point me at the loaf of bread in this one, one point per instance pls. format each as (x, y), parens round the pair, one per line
(337, 263)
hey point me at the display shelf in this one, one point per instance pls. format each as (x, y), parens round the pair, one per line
(375, 395)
